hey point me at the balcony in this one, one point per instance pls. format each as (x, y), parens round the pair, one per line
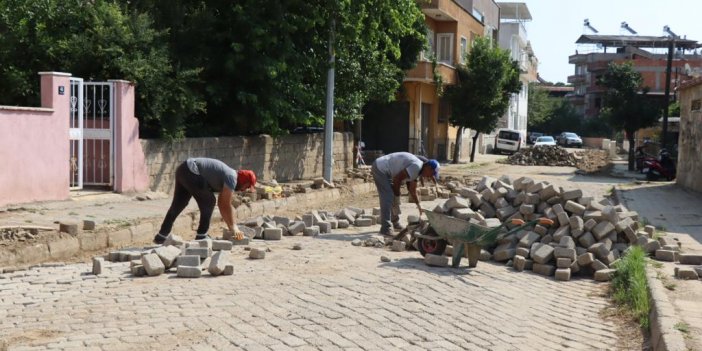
(577, 58)
(424, 72)
(441, 10)
(576, 79)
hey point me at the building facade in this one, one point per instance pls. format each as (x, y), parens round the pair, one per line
(647, 54)
(418, 121)
(689, 166)
(513, 37)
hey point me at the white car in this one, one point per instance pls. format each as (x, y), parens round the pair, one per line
(544, 141)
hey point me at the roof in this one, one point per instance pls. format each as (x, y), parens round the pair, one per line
(690, 83)
(636, 41)
(555, 88)
(514, 11)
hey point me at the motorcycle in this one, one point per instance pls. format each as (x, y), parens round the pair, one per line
(641, 156)
(663, 167)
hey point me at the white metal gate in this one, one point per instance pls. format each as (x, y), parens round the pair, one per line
(91, 133)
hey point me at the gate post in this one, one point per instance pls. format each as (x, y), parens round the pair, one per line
(55, 90)
(130, 172)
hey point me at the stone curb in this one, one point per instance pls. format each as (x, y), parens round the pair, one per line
(64, 247)
(662, 317)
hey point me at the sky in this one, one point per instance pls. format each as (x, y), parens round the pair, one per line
(557, 24)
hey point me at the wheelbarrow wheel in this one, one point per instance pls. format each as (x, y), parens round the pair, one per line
(429, 246)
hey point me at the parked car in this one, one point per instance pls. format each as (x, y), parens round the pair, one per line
(569, 139)
(533, 136)
(508, 140)
(545, 141)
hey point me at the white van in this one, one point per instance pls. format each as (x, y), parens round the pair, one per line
(508, 140)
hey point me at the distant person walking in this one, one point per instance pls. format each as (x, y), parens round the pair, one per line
(201, 178)
(389, 173)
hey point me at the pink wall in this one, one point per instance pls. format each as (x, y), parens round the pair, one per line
(131, 174)
(34, 147)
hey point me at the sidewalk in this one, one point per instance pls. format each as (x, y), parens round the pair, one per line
(678, 212)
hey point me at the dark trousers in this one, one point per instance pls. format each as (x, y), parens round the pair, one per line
(187, 185)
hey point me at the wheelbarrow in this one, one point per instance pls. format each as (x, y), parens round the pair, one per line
(464, 236)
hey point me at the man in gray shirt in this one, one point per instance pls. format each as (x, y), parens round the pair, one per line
(201, 178)
(389, 172)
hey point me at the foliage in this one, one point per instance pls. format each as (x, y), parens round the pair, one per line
(626, 106)
(674, 109)
(540, 107)
(629, 285)
(264, 64)
(483, 89)
(94, 40)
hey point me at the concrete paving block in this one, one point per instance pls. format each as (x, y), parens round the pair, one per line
(153, 264)
(204, 243)
(574, 208)
(604, 275)
(686, 273)
(541, 253)
(546, 239)
(343, 223)
(589, 224)
(324, 227)
(244, 241)
(188, 272)
(485, 255)
(563, 262)
(203, 252)
(563, 219)
(650, 230)
(653, 245)
(167, 254)
(576, 223)
(272, 234)
(228, 270)
(529, 239)
(610, 214)
(88, 224)
(98, 263)
(308, 219)
(173, 240)
(334, 223)
(562, 252)
(572, 195)
(560, 233)
(602, 229)
(218, 262)
(600, 250)
(623, 224)
(188, 261)
(518, 263)
(666, 255)
(456, 202)
(138, 271)
(436, 260)
(630, 234)
(69, 227)
(698, 269)
(574, 267)
(567, 242)
(222, 245)
(398, 245)
(522, 251)
(296, 227)
(562, 274)
(598, 265)
(257, 254)
(689, 258)
(543, 269)
(586, 259)
(64, 247)
(504, 252)
(285, 221)
(541, 230)
(548, 192)
(311, 231)
(363, 222)
(594, 215)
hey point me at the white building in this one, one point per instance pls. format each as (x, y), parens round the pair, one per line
(513, 37)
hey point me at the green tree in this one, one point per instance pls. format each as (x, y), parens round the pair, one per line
(540, 107)
(263, 63)
(94, 40)
(626, 106)
(482, 92)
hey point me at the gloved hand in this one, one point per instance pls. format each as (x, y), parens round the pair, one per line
(235, 233)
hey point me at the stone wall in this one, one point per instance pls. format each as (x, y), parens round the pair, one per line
(689, 156)
(289, 157)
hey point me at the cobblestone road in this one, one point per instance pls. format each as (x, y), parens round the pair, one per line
(328, 296)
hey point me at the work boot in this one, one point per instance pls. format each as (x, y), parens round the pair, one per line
(159, 239)
(397, 226)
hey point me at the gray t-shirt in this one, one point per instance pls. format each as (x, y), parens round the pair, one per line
(216, 173)
(392, 164)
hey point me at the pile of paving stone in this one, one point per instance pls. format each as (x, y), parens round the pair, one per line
(587, 236)
(362, 172)
(543, 156)
(17, 234)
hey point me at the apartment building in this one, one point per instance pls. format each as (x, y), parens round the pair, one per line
(648, 54)
(418, 120)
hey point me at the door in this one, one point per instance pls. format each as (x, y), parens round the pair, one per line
(91, 134)
(424, 131)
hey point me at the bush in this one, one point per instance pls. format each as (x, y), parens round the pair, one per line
(629, 286)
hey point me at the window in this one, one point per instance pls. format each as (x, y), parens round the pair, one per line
(464, 49)
(479, 15)
(431, 46)
(696, 105)
(598, 102)
(444, 48)
(444, 111)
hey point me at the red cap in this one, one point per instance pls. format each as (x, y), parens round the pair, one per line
(246, 177)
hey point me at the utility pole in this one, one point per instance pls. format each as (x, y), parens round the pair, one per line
(329, 117)
(666, 102)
